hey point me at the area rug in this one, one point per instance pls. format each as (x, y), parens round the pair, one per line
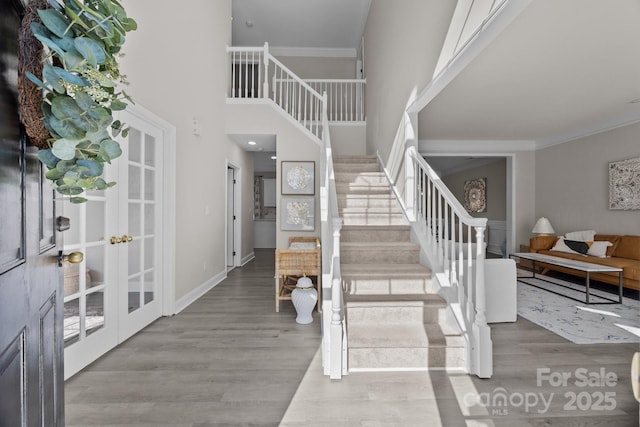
(578, 322)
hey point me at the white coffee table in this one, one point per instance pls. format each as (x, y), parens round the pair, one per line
(585, 267)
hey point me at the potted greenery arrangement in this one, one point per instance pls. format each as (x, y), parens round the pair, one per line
(77, 84)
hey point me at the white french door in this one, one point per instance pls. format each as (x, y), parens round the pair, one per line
(117, 290)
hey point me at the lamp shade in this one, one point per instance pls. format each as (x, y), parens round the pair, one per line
(543, 226)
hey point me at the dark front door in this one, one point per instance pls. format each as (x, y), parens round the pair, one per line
(31, 302)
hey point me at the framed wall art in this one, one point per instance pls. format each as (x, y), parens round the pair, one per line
(475, 195)
(298, 178)
(624, 184)
(297, 213)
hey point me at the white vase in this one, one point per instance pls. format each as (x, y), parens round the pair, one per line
(304, 298)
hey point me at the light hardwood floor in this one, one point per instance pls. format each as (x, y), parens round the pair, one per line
(230, 360)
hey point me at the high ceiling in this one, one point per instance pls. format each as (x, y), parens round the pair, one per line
(562, 70)
(316, 24)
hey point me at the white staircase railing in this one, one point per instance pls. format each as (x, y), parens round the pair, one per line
(454, 240)
(252, 70)
(345, 98)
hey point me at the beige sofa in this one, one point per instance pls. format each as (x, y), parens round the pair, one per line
(625, 254)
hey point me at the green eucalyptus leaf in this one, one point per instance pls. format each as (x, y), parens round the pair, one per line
(36, 80)
(51, 77)
(48, 158)
(65, 128)
(50, 44)
(85, 101)
(71, 177)
(98, 136)
(64, 149)
(117, 105)
(54, 4)
(70, 77)
(69, 190)
(110, 149)
(77, 200)
(65, 107)
(65, 43)
(55, 21)
(91, 50)
(37, 29)
(90, 167)
(54, 174)
(73, 60)
(100, 184)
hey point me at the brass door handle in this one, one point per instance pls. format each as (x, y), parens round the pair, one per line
(113, 240)
(126, 238)
(73, 258)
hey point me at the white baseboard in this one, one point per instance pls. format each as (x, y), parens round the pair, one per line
(247, 259)
(196, 293)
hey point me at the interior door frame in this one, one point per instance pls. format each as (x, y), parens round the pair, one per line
(237, 194)
(169, 201)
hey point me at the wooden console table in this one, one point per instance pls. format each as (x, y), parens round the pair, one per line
(585, 267)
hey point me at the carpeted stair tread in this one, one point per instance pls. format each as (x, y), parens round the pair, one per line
(401, 336)
(391, 271)
(415, 300)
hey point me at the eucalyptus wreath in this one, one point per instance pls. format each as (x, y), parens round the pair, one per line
(80, 83)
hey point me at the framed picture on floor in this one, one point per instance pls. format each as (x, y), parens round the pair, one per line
(298, 178)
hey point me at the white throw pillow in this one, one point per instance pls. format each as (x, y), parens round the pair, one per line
(561, 246)
(581, 236)
(599, 248)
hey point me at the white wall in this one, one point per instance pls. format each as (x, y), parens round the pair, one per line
(176, 64)
(292, 145)
(572, 182)
(307, 67)
(403, 39)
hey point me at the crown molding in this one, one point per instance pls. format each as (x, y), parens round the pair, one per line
(450, 146)
(319, 52)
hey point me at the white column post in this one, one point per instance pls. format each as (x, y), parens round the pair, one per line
(265, 58)
(336, 340)
(481, 331)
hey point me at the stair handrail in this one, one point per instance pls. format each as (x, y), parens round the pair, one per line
(444, 230)
(334, 336)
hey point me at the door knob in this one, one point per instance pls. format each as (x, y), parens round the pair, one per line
(73, 258)
(113, 240)
(126, 238)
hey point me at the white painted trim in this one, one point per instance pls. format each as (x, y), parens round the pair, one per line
(237, 209)
(319, 52)
(196, 293)
(169, 205)
(453, 370)
(248, 258)
(474, 46)
(619, 122)
(431, 146)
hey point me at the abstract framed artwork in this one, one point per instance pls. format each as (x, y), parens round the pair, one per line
(624, 184)
(298, 178)
(475, 195)
(297, 213)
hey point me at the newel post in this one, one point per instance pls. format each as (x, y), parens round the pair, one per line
(481, 331)
(336, 344)
(265, 58)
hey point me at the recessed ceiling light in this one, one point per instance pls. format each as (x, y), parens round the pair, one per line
(252, 143)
